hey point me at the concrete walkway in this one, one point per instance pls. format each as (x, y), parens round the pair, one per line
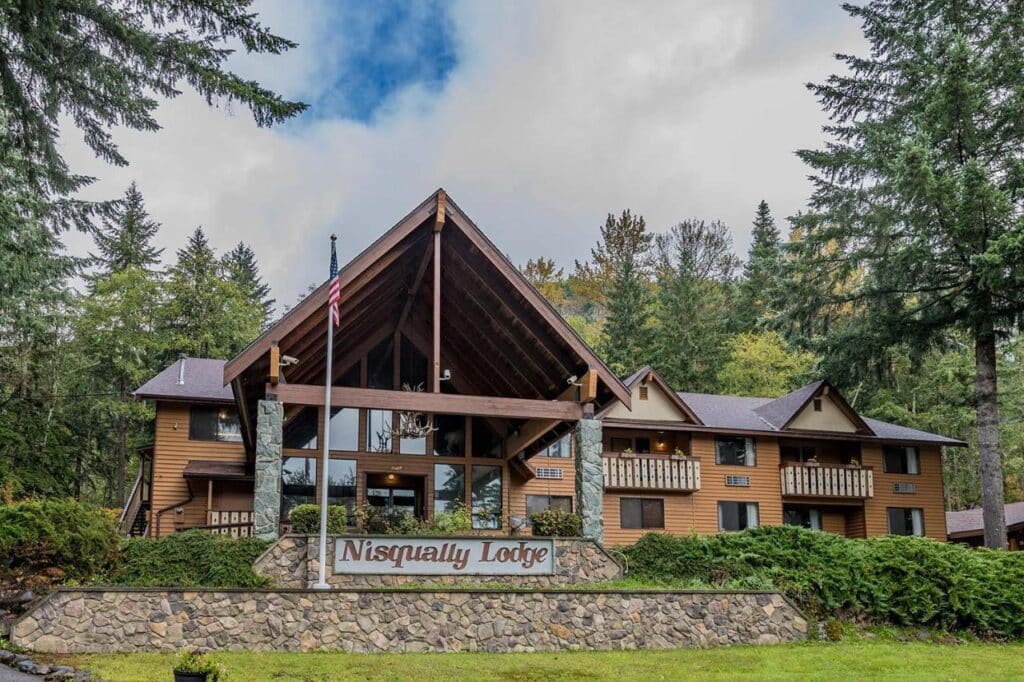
(11, 675)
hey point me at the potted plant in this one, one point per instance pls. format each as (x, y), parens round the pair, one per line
(628, 452)
(193, 666)
(678, 454)
(812, 461)
(854, 463)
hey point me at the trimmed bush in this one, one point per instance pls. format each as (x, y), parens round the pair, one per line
(305, 519)
(452, 522)
(193, 558)
(556, 523)
(898, 580)
(49, 541)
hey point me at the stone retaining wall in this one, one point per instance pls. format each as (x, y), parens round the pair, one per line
(293, 561)
(136, 620)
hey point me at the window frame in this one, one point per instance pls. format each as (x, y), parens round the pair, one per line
(643, 502)
(215, 410)
(887, 449)
(747, 451)
(547, 504)
(746, 507)
(888, 521)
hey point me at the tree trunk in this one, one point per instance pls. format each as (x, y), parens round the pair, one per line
(992, 498)
(122, 447)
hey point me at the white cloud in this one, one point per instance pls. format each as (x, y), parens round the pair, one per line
(558, 113)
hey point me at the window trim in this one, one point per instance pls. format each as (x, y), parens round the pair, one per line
(748, 504)
(216, 409)
(906, 460)
(526, 501)
(888, 521)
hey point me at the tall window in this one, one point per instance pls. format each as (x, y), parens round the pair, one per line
(641, 512)
(486, 441)
(900, 460)
(539, 503)
(737, 515)
(298, 483)
(344, 429)
(300, 430)
(214, 423)
(378, 430)
(803, 517)
(416, 445)
(906, 521)
(449, 487)
(486, 497)
(735, 451)
(341, 485)
(450, 435)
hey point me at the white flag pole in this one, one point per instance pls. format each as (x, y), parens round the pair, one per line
(321, 583)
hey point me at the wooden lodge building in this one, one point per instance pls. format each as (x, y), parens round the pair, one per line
(455, 382)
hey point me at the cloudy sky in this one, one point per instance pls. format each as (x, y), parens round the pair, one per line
(538, 118)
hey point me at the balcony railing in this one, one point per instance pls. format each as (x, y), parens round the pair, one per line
(808, 480)
(651, 473)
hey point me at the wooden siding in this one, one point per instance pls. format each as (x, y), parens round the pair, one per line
(171, 452)
(928, 494)
(544, 486)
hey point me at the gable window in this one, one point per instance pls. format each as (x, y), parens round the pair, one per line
(539, 503)
(560, 448)
(897, 459)
(735, 451)
(803, 517)
(300, 429)
(214, 423)
(641, 512)
(298, 483)
(737, 515)
(906, 521)
(643, 393)
(817, 404)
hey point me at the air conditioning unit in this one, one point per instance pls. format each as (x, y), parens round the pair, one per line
(737, 481)
(905, 488)
(549, 473)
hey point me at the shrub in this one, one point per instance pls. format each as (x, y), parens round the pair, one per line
(452, 522)
(556, 523)
(305, 519)
(384, 521)
(48, 541)
(897, 580)
(193, 558)
(191, 661)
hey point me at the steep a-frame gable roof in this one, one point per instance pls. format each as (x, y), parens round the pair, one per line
(362, 266)
(782, 412)
(648, 375)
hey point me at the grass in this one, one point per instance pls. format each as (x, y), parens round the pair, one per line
(863, 660)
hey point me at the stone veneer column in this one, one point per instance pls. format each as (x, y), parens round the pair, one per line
(267, 499)
(590, 478)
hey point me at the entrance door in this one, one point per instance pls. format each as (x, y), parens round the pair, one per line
(396, 493)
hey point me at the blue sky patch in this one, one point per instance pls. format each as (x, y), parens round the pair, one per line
(377, 49)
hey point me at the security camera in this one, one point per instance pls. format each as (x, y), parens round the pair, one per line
(287, 360)
(572, 380)
(446, 375)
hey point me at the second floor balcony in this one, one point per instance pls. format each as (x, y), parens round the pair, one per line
(827, 480)
(640, 472)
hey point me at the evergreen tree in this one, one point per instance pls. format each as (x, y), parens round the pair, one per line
(760, 272)
(620, 269)
(695, 271)
(547, 278)
(762, 364)
(243, 269)
(101, 64)
(206, 314)
(920, 193)
(124, 239)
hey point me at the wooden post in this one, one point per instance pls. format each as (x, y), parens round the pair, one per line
(275, 364)
(436, 356)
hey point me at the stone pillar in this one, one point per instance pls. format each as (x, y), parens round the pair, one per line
(267, 499)
(590, 478)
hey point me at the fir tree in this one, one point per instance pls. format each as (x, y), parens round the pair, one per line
(760, 273)
(243, 269)
(124, 239)
(620, 268)
(106, 64)
(206, 314)
(695, 269)
(919, 196)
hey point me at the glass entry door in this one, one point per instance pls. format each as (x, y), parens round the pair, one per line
(400, 494)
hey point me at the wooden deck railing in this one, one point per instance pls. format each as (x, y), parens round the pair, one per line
(803, 480)
(651, 473)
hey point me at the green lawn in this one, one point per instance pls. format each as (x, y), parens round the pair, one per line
(861, 660)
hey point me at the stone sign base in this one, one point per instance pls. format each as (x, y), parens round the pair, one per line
(292, 562)
(371, 621)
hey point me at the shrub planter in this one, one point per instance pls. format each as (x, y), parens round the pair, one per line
(182, 676)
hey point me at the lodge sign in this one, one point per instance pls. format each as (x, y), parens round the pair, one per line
(444, 556)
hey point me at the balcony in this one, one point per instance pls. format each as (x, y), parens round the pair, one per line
(651, 473)
(835, 481)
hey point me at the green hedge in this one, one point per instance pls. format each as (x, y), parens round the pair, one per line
(192, 558)
(49, 541)
(899, 580)
(556, 523)
(305, 519)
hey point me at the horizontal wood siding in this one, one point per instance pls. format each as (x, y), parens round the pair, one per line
(928, 494)
(171, 452)
(544, 486)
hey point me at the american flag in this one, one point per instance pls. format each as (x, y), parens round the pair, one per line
(334, 299)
